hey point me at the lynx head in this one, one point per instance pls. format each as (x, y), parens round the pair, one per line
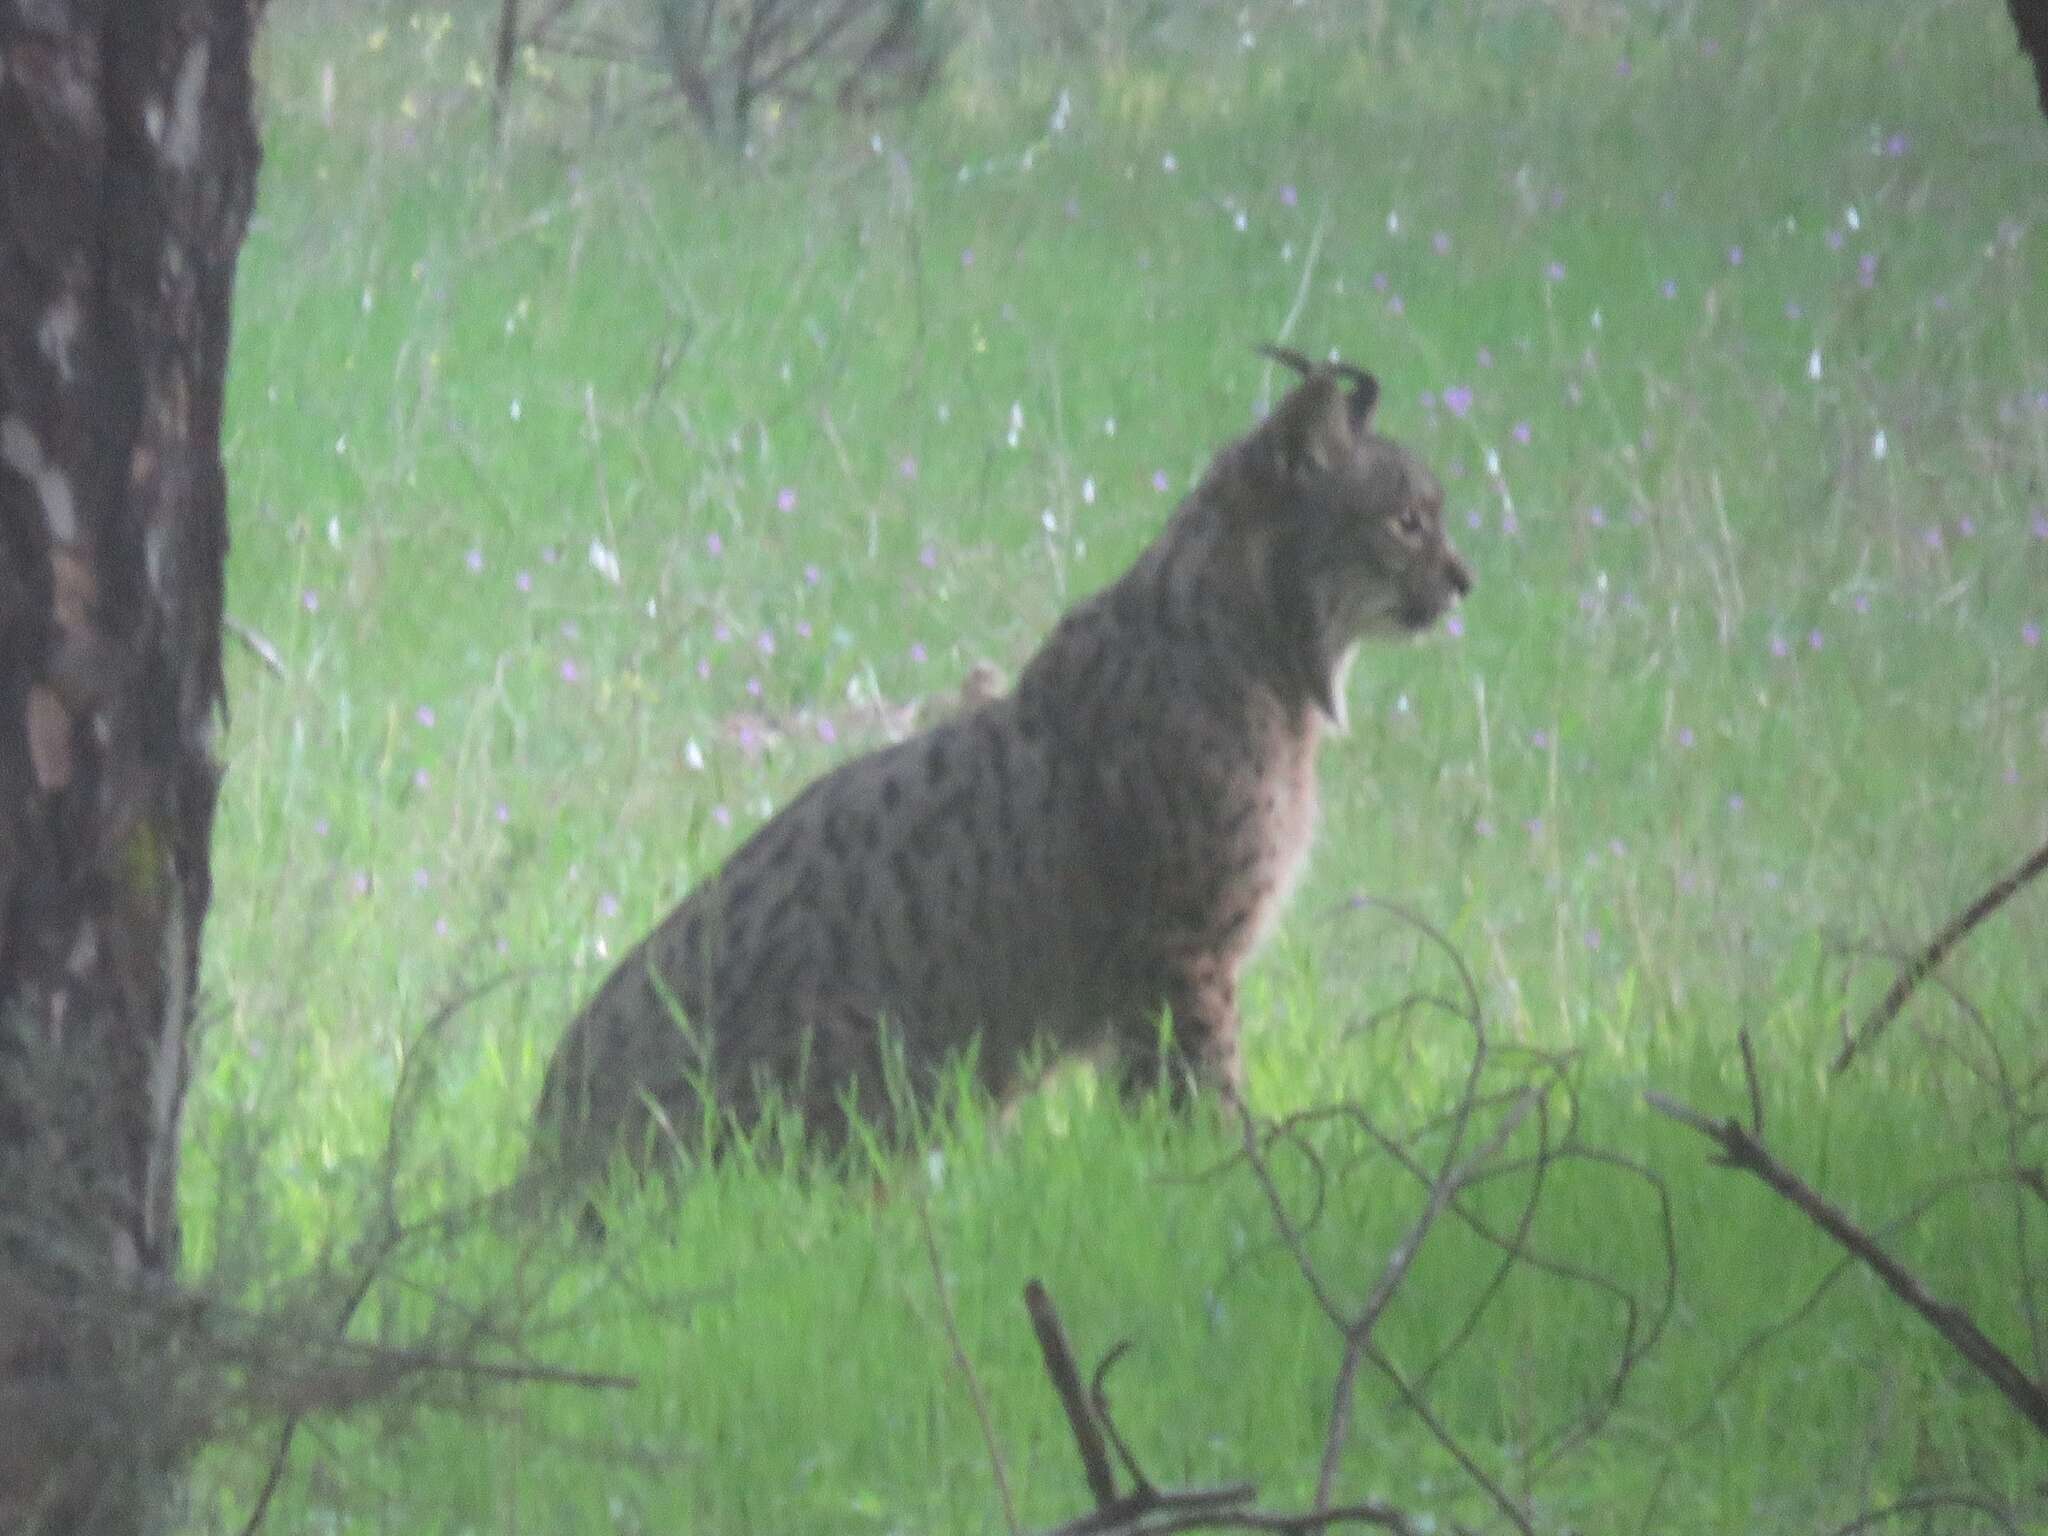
(1356, 522)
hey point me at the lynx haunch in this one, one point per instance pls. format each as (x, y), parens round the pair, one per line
(1048, 870)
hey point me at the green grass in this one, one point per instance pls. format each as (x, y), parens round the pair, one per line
(454, 371)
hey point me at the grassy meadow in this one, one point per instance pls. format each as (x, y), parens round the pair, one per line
(596, 492)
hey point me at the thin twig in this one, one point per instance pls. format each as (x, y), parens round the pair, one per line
(1937, 951)
(1098, 1399)
(257, 644)
(1924, 1503)
(1742, 1150)
(1148, 1510)
(967, 1373)
(1749, 1078)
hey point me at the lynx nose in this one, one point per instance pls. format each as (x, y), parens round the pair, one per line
(1458, 571)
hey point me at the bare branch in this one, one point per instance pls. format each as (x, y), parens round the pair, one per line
(1741, 1150)
(1151, 1511)
(1066, 1381)
(1749, 1078)
(1937, 950)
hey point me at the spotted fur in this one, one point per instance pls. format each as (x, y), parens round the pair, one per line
(1054, 869)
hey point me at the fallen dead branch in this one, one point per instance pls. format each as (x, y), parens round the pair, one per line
(1741, 1150)
(1147, 1509)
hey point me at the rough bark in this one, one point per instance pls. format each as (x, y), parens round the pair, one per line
(2030, 20)
(127, 163)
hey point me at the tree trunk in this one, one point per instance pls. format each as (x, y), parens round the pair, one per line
(127, 162)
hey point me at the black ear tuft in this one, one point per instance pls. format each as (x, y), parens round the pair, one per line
(1287, 357)
(1365, 394)
(1365, 389)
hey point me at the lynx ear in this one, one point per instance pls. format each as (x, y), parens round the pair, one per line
(1364, 395)
(1307, 432)
(1312, 428)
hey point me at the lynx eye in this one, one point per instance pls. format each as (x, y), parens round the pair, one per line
(1408, 521)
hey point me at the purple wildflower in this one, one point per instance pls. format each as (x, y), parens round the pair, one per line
(1288, 195)
(1159, 480)
(474, 560)
(1457, 399)
(1522, 433)
(714, 546)
(425, 715)
(785, 499)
